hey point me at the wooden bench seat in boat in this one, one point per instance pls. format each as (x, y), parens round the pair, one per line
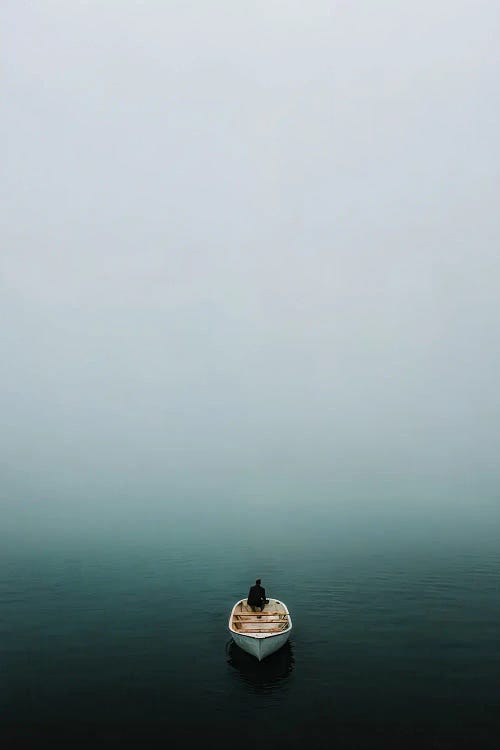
(260, 622)
(260, 614)
(269, 630)
(260, 617)
(245, 623)
(259, 625)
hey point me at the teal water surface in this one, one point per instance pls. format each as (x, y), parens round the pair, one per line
(123, 636)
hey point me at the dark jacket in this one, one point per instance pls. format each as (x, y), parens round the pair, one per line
(256, 596)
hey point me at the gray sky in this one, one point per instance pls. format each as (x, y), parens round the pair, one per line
(249, 249)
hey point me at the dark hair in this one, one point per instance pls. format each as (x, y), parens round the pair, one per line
(257, 580)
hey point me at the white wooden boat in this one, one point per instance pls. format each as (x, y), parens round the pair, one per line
(260, 633)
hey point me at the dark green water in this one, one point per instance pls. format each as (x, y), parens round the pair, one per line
(122, 637)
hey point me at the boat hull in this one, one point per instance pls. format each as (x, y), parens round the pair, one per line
(262, 646)
(267, 638)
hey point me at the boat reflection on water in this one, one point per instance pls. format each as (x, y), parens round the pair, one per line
(266, 675)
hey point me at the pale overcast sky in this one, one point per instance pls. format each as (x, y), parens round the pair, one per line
(248, 249)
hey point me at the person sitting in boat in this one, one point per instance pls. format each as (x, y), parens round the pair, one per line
(257, 596)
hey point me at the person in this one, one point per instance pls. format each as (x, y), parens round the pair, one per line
(257, 596)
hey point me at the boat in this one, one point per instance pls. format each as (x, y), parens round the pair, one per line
(260, 633)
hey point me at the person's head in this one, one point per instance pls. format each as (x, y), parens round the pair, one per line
(257, 581)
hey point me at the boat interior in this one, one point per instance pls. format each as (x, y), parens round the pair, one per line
(273, 618)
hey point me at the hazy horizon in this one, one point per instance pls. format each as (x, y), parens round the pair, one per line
(250, 255)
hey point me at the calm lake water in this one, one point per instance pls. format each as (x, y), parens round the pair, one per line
(122, 636)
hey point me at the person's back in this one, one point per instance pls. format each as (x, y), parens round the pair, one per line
(257, 596)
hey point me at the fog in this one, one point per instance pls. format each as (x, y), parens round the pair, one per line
(249, 258)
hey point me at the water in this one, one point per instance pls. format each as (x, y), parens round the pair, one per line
(123, 637)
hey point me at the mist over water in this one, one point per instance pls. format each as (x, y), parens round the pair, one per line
(249, 287)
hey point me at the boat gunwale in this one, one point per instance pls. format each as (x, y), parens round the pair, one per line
(259, 636)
